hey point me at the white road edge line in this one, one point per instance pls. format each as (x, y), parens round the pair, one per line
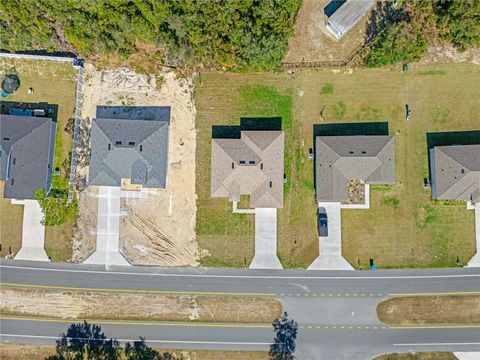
(436, 344)
(146, 340)
(242, 276)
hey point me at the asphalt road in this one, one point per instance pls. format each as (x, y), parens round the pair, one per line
(335, 310)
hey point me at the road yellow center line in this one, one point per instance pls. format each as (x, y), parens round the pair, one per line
(407, 327)
(438, 293)
(174, 292)
(143, 323)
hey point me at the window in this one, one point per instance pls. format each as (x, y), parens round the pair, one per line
(141, 147)
(252, 162)
(118, 143)
(242, 162)
(131, 143)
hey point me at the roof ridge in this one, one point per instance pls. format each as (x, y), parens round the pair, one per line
(456, 182)
(447, 155)
(34, 129)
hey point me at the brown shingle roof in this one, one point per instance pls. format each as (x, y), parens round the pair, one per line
(251, 165)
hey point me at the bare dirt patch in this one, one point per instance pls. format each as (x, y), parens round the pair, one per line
(430, 310)
(144, 306)
(313, 42)
(450, 54)
(170, 211)
(84, 240)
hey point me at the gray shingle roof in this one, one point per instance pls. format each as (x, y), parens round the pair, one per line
(455, 172)
(251, 165)
(27, 148)
(339, 159)
(130, 143)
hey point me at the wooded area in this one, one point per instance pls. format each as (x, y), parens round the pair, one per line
(237, 34)
(404, 33)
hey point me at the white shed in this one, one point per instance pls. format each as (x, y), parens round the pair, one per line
(347, 15)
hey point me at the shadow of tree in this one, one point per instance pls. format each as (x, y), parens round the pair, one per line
(84, 341)
(381, 16)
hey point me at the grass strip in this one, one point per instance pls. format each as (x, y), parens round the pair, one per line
(152, 307)
(464, 309)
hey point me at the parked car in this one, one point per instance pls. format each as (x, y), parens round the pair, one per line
(322, 220)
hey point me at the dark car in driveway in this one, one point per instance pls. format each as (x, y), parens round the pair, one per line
(322, 220)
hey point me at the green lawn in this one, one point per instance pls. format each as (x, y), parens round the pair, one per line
(404, 227)
(54, 83)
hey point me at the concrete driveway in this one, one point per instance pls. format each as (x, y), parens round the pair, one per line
(108, 223)
(265, 240)
(475, 261)
(330, 247)
(33, 235)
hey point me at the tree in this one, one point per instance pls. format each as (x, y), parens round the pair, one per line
(57, 208)
(283, 345)
(459, 21)
(85, 341)
(140, 351)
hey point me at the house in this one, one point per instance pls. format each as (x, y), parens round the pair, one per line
(455, 172)
(130, 143)
(27, 145)
(347, 15)
(340, 159)
(251, 165)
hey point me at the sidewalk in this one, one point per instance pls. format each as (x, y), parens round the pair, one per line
(475, 261)
(33, 232)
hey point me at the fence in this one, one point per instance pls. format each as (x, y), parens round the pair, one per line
(328, 63)
(78, 65)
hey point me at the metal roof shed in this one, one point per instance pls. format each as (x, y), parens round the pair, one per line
(347, 16)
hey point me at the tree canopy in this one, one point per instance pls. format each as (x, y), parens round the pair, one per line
(56, 207)
(283, 346)
(238, 34)
(407, 31)
(85, 341)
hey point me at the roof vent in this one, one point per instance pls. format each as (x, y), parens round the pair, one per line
(242, 162)
(252, 162)
(131, 143)
(141, 147)
(351, 152)
(6, 139)
(364, 152)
